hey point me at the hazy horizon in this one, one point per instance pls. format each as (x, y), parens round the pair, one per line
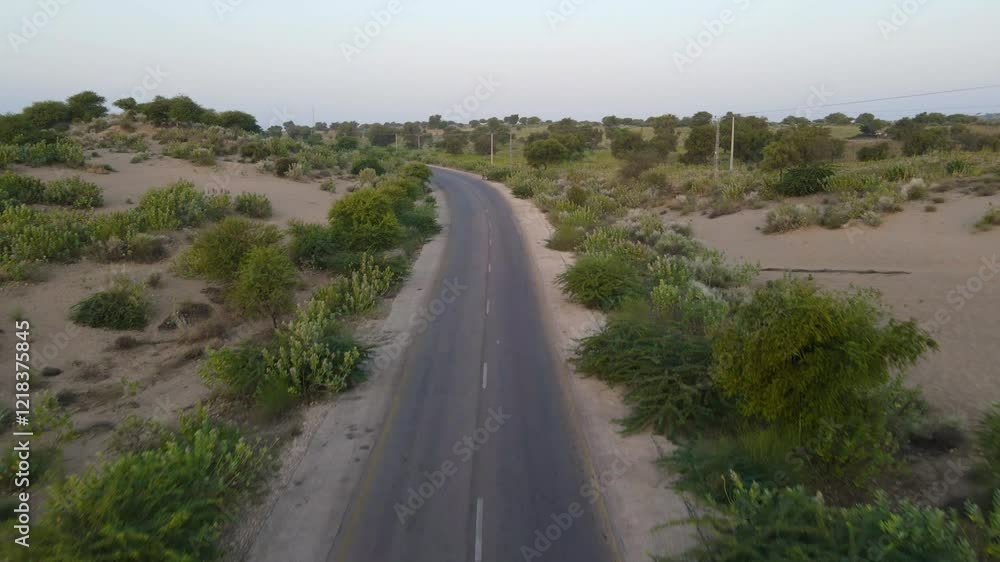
(394, 60)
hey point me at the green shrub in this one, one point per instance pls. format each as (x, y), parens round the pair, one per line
(664, 369)
(253, 205)
(365, 221)
(122, 225)
(240, 369)
(421, 221)
(417, 170)
(601, 281)
(806, 179)
(523, 190)
(874, 152)
(800, 357)
(73, 192)
(787, 217)
(987, 442)
(161, 504)
(314, 245)
(8, 155)
(28, 237)
(566, 237)
(218, 250)
(18, 189)
(899, 172)
(767, 456)
(265, 283)
(122, 307)
(360, 292)
(958, 167)
(789, 524)
(174, 206)
(989, 220)
(313, 353)
(364, 162)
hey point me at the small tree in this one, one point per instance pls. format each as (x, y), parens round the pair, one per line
(700, 145)
(86, 105)
(365, 220)
(265, 283)
(126, 104)
(540, 154)
(800, 356)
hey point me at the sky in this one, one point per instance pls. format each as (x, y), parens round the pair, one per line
(403, 60)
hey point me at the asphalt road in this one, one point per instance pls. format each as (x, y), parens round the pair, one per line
(478, 459)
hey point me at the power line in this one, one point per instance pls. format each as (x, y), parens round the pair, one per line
(872, 100)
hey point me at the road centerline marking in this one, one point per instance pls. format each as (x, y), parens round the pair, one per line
(484, 374)
(487, 307)
(479, 530)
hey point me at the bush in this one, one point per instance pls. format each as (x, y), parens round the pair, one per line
(359, 293)
(176, 206)
(803, 358)
(664, 369)
(218, 250)
(789, 524)
(787, 217)
(417, 170)
(315, 246)
(566, 237)
(987, 441)
(73, 192)
(365, 221)
(989, 220)
(523, 190)
(160, 504)
(17, 189)
(363, 162)
(958, 167)
(265, 283)
(601, 281)
(240, 369)
(122, 307)
(421, 221)
(806, 179)
(28, 236)
(767, 456)
(312, 353)
(253, 205)
(874, 152)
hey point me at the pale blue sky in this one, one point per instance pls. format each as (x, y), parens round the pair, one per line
(279, 59)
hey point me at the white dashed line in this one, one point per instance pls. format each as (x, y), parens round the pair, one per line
(479, 530)
(484, 375)
(489, 268)
(487, 307)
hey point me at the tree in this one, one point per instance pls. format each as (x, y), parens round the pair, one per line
(927, 139)
(345, 143)
(699, 147)
(512, 119)
(274, 131)
(381, 135)
(265, 283)
(793, 120)
(611, 121)
(156, 111)
(752, 135)
(410, 133)
(185, 110)
(454, 141)
(126, 104)
(238, 120)
(699, 119)
(540, 154)
(625, 142)
(837, 119)
(365, 221)
(800, 144)
(435, 122)
(47, 114)
(321, 126)
(86, 105)
(869, 125)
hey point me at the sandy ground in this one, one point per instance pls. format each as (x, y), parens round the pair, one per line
(941, 253)
(100, 383)
(639, 497)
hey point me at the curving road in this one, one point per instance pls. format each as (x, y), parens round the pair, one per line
(478, 459)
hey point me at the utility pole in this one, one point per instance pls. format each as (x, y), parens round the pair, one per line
(732, 145)
(718, 124)
(491, 149)
(418, 142)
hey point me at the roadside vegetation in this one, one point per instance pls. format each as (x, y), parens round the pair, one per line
(786, 400)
